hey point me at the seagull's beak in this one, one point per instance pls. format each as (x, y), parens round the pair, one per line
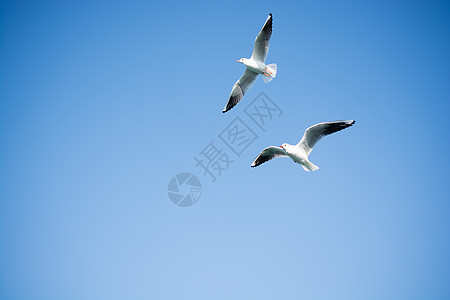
(281, 146)
(238, 60)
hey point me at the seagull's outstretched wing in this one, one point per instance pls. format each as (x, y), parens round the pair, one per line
(314, 133)
(268, 154)
(240, 88)
(261, 47)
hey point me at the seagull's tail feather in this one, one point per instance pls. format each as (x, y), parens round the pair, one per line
(267, 78)
(271, 71)
(309, 166)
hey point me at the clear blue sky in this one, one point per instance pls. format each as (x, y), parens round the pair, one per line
(101, 103)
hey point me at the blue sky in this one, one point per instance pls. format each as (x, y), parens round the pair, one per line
(102, 103)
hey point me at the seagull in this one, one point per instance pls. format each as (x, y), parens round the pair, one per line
(300, 152)
(255, 66)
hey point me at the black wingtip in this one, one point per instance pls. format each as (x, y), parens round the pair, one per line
(270, 14)
(227, 109)
(353, 122)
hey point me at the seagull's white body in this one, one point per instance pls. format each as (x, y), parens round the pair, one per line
(255, 66)
(299, 153)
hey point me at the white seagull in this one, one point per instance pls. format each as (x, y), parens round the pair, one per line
(255, 66)
(300, 152)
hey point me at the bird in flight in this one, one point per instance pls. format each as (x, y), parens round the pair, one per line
(299, 153)
(255, 66)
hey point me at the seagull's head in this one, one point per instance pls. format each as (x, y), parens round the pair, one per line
(242, 60)
(284, 146)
